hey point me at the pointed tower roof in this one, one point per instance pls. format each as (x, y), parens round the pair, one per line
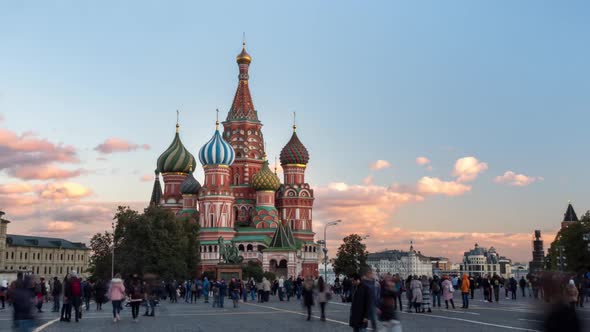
(570, 214)
(282, 239)
(294, 152)
(156, 191)
(176, 158)
(242, 108)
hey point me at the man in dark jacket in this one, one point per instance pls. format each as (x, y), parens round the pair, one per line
(56, 293)
(75, 285)
(361, 305)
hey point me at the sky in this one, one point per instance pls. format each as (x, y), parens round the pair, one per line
(442, 123)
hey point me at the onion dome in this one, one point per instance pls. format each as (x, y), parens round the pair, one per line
(176, 159)
(217, 151)
(265, 179)
(243, 57)
(294, 152)
(190, 185)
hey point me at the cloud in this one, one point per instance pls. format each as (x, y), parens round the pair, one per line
(518, 180)
(435, 186)
(16, 188)
(44, 172)
(1, 117)
(146, 177)
(56, 227)
(468, 168)
(368, 180)
(422, 161)
(63, 191)
(380, 164)
(28, 150)
(115, 144)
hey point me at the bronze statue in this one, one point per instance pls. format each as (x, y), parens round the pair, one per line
(229, 253)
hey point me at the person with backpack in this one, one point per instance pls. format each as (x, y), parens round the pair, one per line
(135, 297)
(435, 291)
(56, 293)
(76, 294)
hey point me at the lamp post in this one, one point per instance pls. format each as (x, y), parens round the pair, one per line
(113, 252)
(331, 223)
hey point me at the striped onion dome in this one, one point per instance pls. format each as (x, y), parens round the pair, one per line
(265, 179)
(294, 152)
(217, 151)
(176, 159)
(190, 186)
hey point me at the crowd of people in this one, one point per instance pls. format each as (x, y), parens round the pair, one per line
(373, 298)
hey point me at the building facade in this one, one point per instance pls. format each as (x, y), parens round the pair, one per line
(403, 262)
(481, 262)
(241, 199)
(43, 256)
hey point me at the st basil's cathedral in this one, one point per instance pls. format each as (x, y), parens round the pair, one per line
(242, 199)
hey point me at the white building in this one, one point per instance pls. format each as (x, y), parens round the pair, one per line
(403, 262)
(480, 262)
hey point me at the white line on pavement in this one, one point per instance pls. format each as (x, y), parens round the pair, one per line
(475, 322)
(40, 328)
(531, 320)
(297, 313)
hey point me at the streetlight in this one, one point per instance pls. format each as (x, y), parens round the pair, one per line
(331, 223)
(113, 252)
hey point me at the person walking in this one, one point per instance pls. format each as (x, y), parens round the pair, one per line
(234, 291)
(21, 295)
(435, 291)
(308, 295)
(465, 287)
(416, 287)
(56, 293)
(3, 292)
(571, 292)
(66, 308)
(360, 306)
(387, 305)
(252, 285)
(409, 295)
(99, 294)
(425, 294)
(289, 288)
(75, 285)
(222, 292)
(496, 288)
(136, 296)
(215, 292)
(398, 289)
(447, 290)
(324, 296)
(522, 284)
(116, 294)
(472, 286)
(265, 289)
(206, 289)
(87, 291)
(513, 287)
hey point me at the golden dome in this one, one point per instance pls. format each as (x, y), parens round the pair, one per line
(244, 57)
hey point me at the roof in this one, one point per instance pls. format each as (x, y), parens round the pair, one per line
(42, 242)
(242, 108)
(156, 191)
(570, 214)
(252, 238)
(282, 239)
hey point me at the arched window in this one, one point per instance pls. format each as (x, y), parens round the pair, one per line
(305, 248)
(237, 178)
(314, 249)
(241, 247)
(249, 248)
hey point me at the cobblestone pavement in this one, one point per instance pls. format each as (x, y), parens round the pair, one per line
(523, 314)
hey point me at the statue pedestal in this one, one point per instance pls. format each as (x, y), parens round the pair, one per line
(228, 271)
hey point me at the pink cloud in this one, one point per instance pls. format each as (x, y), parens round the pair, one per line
(422, 161)
(518, 180)
(146, 178)
(380, 164)
(44, 172)
(435, 186)
(468, 168)
(115, 144)
(63, 191)
(28, 150)
(368, 180)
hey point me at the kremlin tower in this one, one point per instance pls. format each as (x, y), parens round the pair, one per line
(241, 199)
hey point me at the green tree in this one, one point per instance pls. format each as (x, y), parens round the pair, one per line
(252, 270)
(152, 242)
(577, 256)
(101, 246)
(351, 256)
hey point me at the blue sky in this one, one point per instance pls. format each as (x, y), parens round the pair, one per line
(505, 82)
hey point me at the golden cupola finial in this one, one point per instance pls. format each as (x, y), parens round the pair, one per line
(244, 57)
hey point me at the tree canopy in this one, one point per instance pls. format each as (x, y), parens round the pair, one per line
(351, 256)
(152, 242)
(575, 249)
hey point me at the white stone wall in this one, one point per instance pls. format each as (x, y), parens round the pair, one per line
(45, 262)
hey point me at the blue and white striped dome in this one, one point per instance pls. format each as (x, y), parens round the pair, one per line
(217, 151)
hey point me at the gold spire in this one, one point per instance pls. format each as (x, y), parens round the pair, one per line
(244, 57)
(275, 165)
(177, 117)
(217, 119)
